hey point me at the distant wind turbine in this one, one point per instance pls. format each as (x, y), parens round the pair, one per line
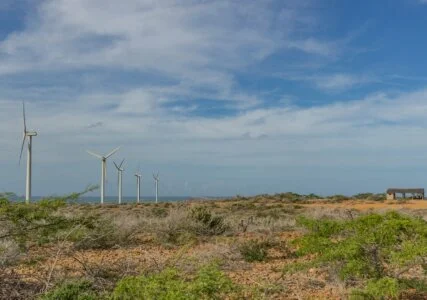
(30, 135)
(138, 187)
(120, 175)
(156, 179)
(103, 169)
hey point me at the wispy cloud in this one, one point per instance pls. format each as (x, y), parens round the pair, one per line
(314, 46)
(169, 81)
(182, 42)
(332, 82)
(340, 81)
(330, 135)
(94, 125)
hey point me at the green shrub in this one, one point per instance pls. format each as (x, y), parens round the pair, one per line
(78, 290)
(370, 196)
(378, 289)
(32, 223)
(97, 233)
(209, 283)
(338, 198)
(274, 213)
(377, 249)
(160, 212)
(254, 250)
(183, 226)
(206, 223)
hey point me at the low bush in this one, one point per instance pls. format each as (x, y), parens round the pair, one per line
(97, 233)
(338, 198)
(31, 223)
(160, 212)
(206, 223)
(254, 250)
(370, 196)
(209, 283)
(182, 226)
(377, 250)
(77, 290)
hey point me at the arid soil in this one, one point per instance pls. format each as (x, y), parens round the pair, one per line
(262, 219)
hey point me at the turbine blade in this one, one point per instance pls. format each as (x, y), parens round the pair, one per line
(94, 154)
(117, 167)
(23, 114)
(122, 163)
(22, 149)
(112, 152)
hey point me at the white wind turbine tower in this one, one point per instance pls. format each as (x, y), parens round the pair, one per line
(30, 135)
(156, 179)
(103, 169)
(120, 175)
(138, 186)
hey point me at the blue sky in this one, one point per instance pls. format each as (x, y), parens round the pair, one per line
(221, 97)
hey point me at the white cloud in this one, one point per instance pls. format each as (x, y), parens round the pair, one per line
(197, 43)
(373, 131)
(314, 46)
(341, 81)
(194, 49)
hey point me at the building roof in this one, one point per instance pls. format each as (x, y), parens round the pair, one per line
(409, 191)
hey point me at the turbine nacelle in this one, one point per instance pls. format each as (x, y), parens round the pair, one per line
(119, 167)
(30, 133)
(103, 169)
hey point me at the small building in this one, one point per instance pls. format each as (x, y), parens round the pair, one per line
(393, 193)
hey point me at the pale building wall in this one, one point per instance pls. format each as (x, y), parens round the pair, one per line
(391, 196)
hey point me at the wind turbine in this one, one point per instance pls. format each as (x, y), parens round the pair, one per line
(103, 169)
(138, 186)
(120, 175)
(30, 135)
(156, 179)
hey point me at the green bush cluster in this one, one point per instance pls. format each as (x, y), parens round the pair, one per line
(32, 223)
(94, 232)
(75, 290)
(254, 250)
(45, 221)
(375, 249)
(370, 196)
(295, 197)
(182, 227)
(209, 283)
(206, 223)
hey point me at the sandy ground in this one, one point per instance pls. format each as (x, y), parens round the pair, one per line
(268, 275)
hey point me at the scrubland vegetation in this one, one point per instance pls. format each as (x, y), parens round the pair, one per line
(284, 246)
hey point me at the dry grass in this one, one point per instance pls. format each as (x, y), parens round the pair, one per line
(163, 235)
